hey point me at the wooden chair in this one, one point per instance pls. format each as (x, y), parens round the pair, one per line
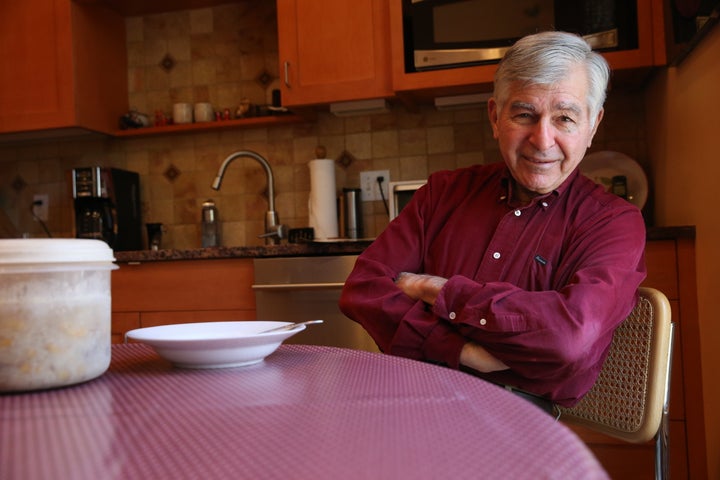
(630, 398)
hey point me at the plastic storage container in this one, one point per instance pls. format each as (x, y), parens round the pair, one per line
(55, 305)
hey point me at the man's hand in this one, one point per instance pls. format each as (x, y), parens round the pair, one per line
(476, 357)
(420, 287)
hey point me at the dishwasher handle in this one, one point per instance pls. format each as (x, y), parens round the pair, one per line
(299, 286)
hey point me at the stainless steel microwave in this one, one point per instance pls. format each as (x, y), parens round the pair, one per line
(400, 195)
(452, 33)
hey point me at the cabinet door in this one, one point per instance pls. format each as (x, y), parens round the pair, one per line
(36, 89)
(333, 50)
(64, 65)
(184, 285)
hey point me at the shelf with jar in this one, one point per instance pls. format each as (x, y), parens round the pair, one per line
(250, 122)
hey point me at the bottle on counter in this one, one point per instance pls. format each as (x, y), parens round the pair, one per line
(210, 225)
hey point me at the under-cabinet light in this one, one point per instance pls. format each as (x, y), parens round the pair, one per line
(359, 107)
(461, 101)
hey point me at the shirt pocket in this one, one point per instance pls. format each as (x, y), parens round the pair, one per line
(540, 274)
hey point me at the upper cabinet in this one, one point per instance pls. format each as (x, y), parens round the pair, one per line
(650, 52)
(64, 66)
(333, 50)
(65, 62)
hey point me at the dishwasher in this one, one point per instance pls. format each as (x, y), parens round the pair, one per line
(295, 289)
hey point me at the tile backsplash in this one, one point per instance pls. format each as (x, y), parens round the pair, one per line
(223, 55)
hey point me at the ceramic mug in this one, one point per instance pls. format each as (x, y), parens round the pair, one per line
(204, 112)
(182, 113)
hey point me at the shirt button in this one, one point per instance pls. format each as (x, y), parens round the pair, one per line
(452, 315)
(483, 321)
(544, 204)
(518, 213)
(496, 255)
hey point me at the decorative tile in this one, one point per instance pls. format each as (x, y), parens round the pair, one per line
(167, 63)
(171, 173)
(19, 184)
(264, 79)
(345, 159)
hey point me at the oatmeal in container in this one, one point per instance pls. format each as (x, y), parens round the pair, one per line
(55, 307)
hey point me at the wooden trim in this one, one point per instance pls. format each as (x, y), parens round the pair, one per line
(692, 372)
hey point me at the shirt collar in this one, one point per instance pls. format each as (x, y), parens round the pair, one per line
(545, 200)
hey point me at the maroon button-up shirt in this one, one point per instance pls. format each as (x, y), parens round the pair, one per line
(542, 287)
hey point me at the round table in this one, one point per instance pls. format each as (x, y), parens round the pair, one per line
(305, 412)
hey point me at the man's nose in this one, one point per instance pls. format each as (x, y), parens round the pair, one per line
(542, 136)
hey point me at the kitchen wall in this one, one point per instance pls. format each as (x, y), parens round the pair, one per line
(683, 105)
(223, 55)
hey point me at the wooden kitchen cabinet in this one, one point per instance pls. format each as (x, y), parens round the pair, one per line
(160, 293)
(671, 269)
(333, 51)
(453, 81)
(64, 66)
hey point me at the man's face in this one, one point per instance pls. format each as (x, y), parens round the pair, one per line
(543, 131)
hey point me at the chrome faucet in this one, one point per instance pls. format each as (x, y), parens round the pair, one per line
(274, 231)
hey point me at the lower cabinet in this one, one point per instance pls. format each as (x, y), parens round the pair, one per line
(183, 291)
(671, 269)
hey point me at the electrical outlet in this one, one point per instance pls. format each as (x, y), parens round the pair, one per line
(370, 187)
(41, 208)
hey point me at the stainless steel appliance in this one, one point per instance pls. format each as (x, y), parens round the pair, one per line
(445, 33)
(295, 289)
(107, 206)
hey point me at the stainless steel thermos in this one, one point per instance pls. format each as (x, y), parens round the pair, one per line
(210, 225)
(352, 212)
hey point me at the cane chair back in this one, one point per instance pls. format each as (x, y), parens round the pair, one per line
(630, 398)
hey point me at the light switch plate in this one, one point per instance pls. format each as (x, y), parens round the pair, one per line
(41, 210)
(370, 189)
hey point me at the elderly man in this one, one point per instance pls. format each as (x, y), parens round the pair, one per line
(519, 271)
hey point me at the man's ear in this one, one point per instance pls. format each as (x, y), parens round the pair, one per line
(493, 113)
(599, 118)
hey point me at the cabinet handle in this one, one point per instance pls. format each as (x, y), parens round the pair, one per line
(286, 66)
(299, 286)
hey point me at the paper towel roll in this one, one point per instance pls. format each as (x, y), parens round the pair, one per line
(322, 205)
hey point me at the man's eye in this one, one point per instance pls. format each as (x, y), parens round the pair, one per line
(523, 117)
(566, 119)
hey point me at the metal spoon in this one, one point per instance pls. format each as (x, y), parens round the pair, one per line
(291, 326)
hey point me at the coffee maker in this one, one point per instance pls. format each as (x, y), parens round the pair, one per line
(107, 206)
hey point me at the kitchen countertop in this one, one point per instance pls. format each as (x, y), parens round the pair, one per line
(315, 248)
(308, 249)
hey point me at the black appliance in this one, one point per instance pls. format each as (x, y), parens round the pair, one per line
(455, 33)
(107, 206)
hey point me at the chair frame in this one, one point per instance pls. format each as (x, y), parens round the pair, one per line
(630, 399)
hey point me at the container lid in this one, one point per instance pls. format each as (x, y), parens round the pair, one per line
(45, 251)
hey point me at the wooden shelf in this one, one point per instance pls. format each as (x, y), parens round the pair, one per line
(253, 122)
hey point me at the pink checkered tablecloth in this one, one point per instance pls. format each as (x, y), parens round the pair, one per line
(306, 412)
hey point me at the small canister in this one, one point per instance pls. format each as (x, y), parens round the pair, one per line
(352, 210)
(210, 224)
(55, 305)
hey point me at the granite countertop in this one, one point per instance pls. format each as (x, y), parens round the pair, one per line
(315, 248)
(307, 249)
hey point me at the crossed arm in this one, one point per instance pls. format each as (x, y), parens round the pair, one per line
(426, 288)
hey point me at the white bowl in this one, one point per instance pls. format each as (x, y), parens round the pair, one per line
(214, 344)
